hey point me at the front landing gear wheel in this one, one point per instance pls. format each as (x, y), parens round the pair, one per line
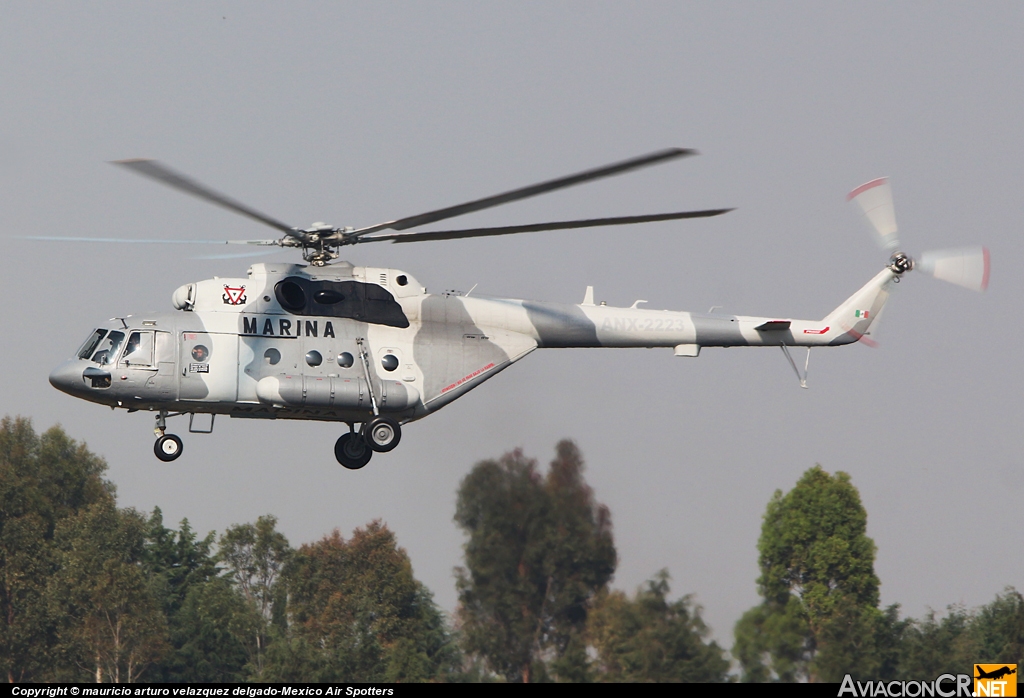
(351, 451)
(382, 434)
(168, 447)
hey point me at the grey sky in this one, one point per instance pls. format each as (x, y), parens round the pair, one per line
(355, 114)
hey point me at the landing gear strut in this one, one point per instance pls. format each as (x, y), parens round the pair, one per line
(168, 446)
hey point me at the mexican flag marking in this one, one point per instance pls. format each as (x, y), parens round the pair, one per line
(860, 313)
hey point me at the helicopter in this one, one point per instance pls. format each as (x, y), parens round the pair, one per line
(370, 348)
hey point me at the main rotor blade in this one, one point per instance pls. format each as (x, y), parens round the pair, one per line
(875, 201)
(525, 192)
(55, 238)
(967, 267)
(176, 180)
(536, 227)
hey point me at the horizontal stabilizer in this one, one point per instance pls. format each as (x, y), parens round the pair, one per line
(773, 325)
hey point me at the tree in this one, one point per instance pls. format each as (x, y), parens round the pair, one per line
(43, 479)
(820, 612)
(538, 550)
(110, 624)
(255, 555)
(650, 639)
(207, 618)
(992, 633)
(358, 614)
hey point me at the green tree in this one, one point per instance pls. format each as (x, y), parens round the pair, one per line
(111, 626)
(43, 479)
(358, 614)
(1000, 628)
(206, 617)
(255, 555)
(538, 550)
(650, 639)
(820, 616)
(992, 633)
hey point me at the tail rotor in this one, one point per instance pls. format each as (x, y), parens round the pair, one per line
(967, 267)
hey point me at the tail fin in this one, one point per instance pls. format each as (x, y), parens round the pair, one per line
(855, 315)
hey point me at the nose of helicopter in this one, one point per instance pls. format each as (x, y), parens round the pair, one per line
(67, 377)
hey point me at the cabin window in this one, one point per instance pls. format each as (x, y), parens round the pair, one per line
(271, 356)
(345, 360)
(200, 353)
(313, 358)
(389, 362)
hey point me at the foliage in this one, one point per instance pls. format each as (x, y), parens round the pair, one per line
(43, 480)
(91, 592)
(208, 621)
(649, 639)
(538, 550)
(255, 555)
(992, 633)
(109, 623)
(358, 614)
(820, 610)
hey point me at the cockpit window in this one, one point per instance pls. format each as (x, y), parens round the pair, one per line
(139, 350)
(90, 344)
(108, 348)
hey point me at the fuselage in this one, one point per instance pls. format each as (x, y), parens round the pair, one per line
(335, 342)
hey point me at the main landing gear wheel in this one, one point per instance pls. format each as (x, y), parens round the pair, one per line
(168, 447)
(351, 451)
(382, 434)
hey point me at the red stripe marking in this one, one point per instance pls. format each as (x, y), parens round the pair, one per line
(984, 278)
(867, 185)
(862, 338)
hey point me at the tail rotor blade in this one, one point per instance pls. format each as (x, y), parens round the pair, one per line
(875, 201)
(967, 267)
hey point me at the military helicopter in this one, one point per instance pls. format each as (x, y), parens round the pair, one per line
(370, 348)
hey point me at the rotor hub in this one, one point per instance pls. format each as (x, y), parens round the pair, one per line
(901, 262)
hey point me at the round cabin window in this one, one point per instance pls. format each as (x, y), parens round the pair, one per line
(345, 360)
(200, 353)
(389, 362)
(313, 358)
(402, 279)
(271, 356)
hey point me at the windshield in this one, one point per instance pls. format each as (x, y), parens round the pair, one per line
(90, 344)
(108, 347)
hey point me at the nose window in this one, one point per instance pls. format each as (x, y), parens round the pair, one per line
(108, 348)
(90, 344)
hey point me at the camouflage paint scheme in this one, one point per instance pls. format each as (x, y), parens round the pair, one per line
(451, 344)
